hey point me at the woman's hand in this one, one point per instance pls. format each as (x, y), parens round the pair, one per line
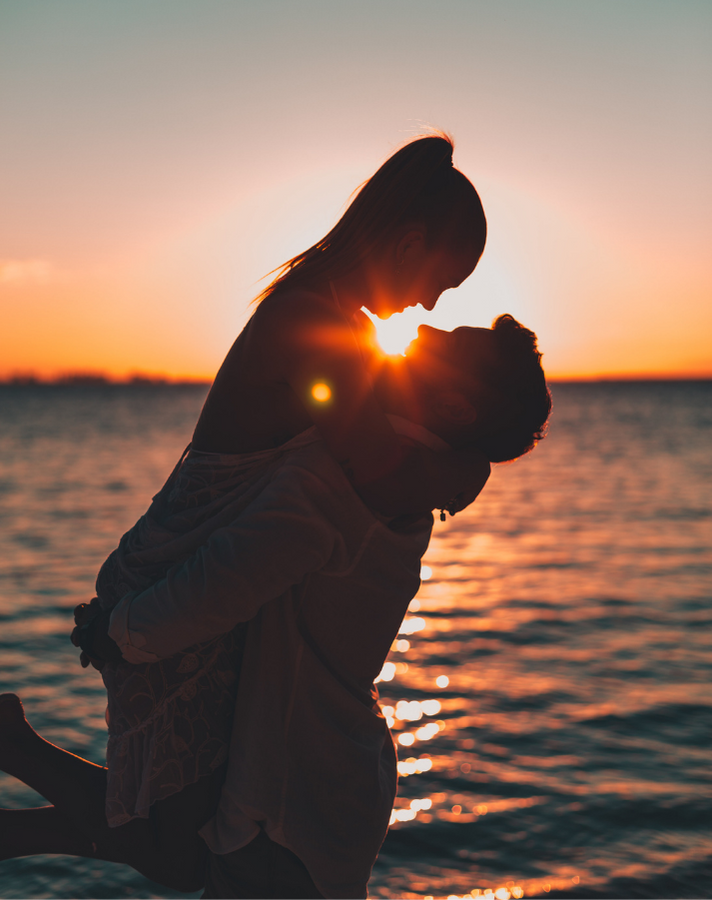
(83, 614)
(92, 635)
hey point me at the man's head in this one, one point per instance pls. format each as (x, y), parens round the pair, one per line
(483, 387)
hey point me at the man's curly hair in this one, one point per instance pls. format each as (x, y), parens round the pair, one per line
(519, 380)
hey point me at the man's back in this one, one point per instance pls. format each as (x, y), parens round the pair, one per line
(311, 759)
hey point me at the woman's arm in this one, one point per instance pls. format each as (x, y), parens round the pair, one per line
(317, 354)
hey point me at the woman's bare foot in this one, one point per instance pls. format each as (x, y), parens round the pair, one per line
(12, 713)
(15, 732)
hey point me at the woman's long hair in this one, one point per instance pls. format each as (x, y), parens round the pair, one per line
(417, 184)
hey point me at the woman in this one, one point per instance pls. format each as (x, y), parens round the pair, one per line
(306, 357)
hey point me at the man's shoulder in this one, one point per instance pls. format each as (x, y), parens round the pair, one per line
(307, 460)
(311, 471)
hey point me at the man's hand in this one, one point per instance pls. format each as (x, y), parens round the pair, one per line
(92, 635)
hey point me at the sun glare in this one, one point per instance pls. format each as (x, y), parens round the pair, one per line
(394, 334)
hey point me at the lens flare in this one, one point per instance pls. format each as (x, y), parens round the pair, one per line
(321, 392)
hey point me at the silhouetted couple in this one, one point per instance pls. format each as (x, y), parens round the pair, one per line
(241, 622)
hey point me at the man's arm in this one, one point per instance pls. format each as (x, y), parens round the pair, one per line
(296, 526)
(286, 533)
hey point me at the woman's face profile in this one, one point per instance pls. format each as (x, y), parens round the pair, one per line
(437, 271)
(418, 276)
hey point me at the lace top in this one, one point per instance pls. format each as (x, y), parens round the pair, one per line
(170, 721)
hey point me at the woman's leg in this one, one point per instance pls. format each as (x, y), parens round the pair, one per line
(26, 832)
(165, 847)
(74, 785)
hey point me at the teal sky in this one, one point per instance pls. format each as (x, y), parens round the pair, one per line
(159, 156)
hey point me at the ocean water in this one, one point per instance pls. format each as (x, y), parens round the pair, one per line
(550, 691)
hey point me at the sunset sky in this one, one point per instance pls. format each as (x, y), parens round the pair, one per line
(159, 157)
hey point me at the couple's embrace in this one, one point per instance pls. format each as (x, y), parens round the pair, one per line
(241, 623)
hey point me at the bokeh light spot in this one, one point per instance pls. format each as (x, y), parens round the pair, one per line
(321, 392)
(387, 672)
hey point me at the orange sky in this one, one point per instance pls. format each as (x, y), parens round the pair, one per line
(158, 159)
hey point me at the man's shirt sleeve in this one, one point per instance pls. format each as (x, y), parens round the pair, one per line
(288, 532)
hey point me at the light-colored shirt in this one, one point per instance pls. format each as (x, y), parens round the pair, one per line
(324, 586)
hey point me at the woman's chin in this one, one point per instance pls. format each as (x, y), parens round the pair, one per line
(385, 306)
(380, 313)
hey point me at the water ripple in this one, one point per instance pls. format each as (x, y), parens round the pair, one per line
(550, 692)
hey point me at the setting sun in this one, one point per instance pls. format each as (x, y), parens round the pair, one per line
(395, 333)
(147, 267)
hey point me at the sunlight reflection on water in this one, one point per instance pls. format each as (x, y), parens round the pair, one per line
(549, 690)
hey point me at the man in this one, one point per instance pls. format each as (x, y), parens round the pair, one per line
(323, 584)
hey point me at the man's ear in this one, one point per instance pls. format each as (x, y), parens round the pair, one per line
(454, 408)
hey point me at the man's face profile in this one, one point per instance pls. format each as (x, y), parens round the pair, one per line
(455, 359)
(445, 370)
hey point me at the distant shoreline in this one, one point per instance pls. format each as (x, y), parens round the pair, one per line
(89, 380)
(146, 381)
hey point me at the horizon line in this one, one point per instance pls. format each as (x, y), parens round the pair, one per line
(137, 379)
